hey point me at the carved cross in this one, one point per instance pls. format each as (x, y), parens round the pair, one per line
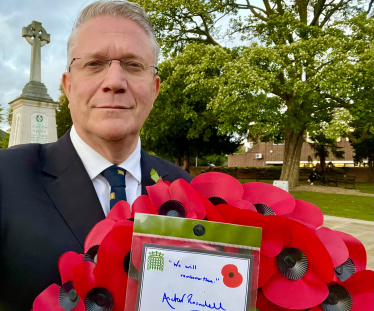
(36, 35)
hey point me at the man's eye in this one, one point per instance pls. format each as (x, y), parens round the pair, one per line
(133, 65)
(94, 63)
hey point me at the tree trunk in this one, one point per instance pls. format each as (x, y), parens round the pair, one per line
(291, 157)
(176, 162)
(322, 159)
(370, 163)
(186, 161)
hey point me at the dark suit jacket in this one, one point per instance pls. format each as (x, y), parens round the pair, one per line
(47, 207)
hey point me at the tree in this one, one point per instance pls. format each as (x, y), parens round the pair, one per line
(322, 147)
(1, 115)
(303, 64)
(362, 141)
(4, 136)
(364, 150)
(180, 126)
(63, 117)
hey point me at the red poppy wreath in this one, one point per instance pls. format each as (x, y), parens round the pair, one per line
(303, 265)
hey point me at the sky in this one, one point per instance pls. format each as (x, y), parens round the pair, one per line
(57, 18)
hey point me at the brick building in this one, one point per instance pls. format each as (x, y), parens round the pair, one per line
(270, 154)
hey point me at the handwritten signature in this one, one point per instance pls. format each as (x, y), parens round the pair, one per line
(171, 301)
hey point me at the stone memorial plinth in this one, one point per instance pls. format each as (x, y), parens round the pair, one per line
(34, 112)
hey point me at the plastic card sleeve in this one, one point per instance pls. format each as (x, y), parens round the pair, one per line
(192, 265)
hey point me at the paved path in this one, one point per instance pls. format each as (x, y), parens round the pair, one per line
(360, 229)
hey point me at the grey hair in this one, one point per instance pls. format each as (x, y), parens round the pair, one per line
(123, 9)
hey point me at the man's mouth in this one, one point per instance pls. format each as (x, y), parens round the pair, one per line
(113, 107)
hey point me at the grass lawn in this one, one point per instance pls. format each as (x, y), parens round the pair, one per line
(341, 205)
(366, 188)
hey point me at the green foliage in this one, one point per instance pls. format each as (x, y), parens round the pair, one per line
(216, 159)
(364, 150)
(63, 117)
(1, 115)
(322, 147)
(308, 60)
(363, 145)
(4, 140)
(4, 136)
(180, 124)
(362, 141)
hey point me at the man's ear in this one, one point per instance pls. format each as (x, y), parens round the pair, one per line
(66, 84)
(157, 87)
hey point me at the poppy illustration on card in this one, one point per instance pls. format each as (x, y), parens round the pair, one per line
(231, 276)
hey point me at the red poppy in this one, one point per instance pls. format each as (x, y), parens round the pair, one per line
(272, 240)
(91, 287)
(268, 199)
(356, 259)
(119, 212)
(263, 304)
(179, 200)
(231, 276)
(221, 188)
(116, 260)
(211, 212)
(334, 245)
(354, 294)
(306, 213)
(267, 268)
(63, 297)
(304, 268)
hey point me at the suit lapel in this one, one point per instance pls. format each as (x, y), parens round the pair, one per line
(148, 162)
(72, 191)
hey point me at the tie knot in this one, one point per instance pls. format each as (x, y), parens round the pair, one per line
(115, 176)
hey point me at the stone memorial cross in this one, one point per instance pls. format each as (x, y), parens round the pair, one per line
(36, 35)
(34, 111)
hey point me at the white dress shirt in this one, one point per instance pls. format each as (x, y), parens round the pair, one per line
(96, 163)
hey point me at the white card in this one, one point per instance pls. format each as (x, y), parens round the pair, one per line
(192, 280)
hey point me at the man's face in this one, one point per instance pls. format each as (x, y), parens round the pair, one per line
(112, 105)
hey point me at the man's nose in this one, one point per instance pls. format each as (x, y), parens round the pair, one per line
(115, 80)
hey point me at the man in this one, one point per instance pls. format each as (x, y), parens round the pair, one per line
(52, 195)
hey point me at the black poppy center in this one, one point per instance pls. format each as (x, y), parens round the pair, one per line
(345, 270)
(231, 274)
(129, 267)
(73, 295)
(126, 262)
(99, 299)
(263, 209)
(332, 299)
(339, 270)
(67, 296)
(217, 200)
(172, 208)
(289, 261)
(292, 263)
(339, 299)
(91, 254)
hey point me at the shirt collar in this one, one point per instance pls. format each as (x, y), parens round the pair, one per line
(95, 163)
